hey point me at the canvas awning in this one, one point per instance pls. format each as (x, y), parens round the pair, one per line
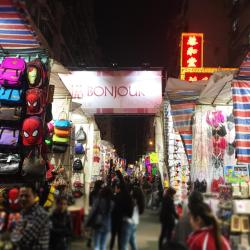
(218, 89)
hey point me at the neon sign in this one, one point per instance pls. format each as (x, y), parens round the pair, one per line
(192, 50)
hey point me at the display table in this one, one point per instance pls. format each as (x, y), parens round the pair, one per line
(77, 217)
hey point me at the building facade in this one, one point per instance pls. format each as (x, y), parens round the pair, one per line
(67, 29)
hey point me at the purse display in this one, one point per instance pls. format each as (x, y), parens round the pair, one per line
(79, 149)
(9, 163)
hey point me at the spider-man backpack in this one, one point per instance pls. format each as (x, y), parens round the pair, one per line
(32, 131)
(36, 101)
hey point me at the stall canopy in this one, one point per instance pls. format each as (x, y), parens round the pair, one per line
(184, 95)
(15, 29)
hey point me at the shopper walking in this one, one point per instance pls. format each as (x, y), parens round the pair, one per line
(183, 228)
(139, 206)
(32, 230)
(123, 211)
(167, 216)
(206, 234)
(100, 218)
(61, 228)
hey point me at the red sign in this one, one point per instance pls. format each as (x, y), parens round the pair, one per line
(192, 50)
(196, 76)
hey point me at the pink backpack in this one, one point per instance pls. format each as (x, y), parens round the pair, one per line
(12, 71)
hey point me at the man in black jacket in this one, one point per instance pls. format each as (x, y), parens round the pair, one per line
(123, 210)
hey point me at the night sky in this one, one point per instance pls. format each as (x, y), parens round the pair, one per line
(131, 33)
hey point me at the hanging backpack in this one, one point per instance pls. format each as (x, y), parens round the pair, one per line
(12, 72)
(80, 135)
(9, 163)
(79, 149)
(10, 114)
(11, 96)
(32, 131)
(35, 101)
(9, 137)
(36, 74)
(77, 165)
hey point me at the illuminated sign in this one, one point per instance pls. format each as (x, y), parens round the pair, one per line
(192, 50)
(197, 74)
(121, 91)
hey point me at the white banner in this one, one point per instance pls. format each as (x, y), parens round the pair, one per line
(116, 91)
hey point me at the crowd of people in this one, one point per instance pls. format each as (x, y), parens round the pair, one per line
(116, 205)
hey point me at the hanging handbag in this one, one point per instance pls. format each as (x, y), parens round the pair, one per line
(59, 148)
(63, 122)
(62, 132)
(80, 135)
(34, 165)
(60, 140)
(79, 149)
(9, 163)
(77, 165)
(11, 96)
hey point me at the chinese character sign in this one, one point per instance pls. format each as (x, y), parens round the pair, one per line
(192, 50)
(196, 76)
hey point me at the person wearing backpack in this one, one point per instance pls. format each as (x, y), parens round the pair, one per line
(61, 229)
(100, 218)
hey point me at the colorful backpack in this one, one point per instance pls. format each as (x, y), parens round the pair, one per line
(12, 71)
(9, 136)
(11, 96)
(32, 131)
(36, 74)
(35, 101)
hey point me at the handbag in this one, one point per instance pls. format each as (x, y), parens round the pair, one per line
(81, 135)
(63, 122)
(59, 148)
(9, 163)
(61, 132)
(60, 140)
(77, 165)
(34, 165)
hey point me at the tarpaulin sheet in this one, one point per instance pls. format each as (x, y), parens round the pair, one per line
(15, 29)
(241, 111)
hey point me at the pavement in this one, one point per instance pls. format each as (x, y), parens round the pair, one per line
(147, 233)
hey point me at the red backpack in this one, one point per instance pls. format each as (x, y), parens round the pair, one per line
(32, 131)
(36, 74)
(35, 101)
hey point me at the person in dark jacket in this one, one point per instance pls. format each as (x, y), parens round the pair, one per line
(100, 218)
(61, 228)
(95, 192)
(123, 210)
(167, 216)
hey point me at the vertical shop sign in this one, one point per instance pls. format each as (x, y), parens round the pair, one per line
(192, 50)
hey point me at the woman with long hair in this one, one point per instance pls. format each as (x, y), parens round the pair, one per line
(206, 235)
